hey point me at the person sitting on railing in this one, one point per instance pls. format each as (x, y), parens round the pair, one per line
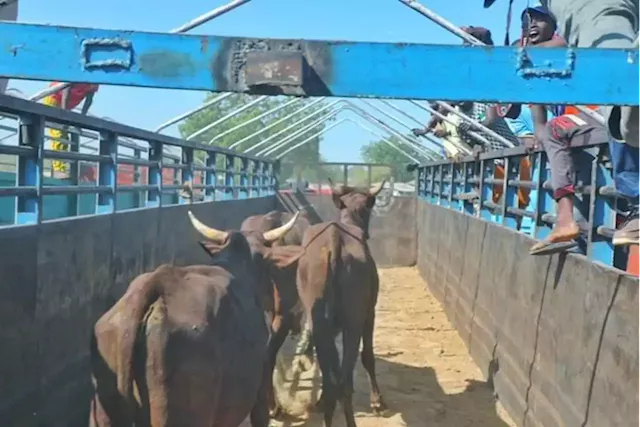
(68, 99)
(557, 136)
(609, 24)
(447, 131)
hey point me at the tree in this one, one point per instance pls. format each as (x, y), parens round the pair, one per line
(306, 154)
(381, 152)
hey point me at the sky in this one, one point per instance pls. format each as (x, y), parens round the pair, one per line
(354, 20)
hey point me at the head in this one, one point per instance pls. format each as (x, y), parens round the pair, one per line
(355, 204)
(250, 250)
(480, 33)
(538, 25)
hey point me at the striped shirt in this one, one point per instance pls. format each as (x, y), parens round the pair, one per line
(499, 126)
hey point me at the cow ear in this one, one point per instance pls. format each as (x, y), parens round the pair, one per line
(337, 201)
(210, 247)
(283, 256)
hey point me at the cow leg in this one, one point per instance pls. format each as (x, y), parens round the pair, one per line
(369, 363)
(260, 411)
(350, 344)
(327, 358)
(280, 330)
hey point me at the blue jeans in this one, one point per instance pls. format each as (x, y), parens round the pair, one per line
(625, 170)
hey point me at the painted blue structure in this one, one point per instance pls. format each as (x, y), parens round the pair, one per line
(316, 68)
(448, 184)
(29, 191)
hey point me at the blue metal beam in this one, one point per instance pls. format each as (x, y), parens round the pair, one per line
(319, 68)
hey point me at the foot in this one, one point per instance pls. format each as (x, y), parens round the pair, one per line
(377, 405)
(560, 234)
(628, 234)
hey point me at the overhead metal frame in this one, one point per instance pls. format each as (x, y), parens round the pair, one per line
(511, 75)
(434, 17)
(206, 17)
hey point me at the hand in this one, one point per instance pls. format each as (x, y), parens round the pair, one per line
(440, 133)
(530, 143)
(477, 150)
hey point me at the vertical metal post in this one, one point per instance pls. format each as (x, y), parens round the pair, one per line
(545, 200)
(137, 154)
(255, 179)
(229, 177)
(154, 196)
(604, 215)
(210, 176)
(107, 172)
(187, 173)
(486, 173)
(73, 207)
(345, 174)
(273, 181)
(468, 173)
(264, 179)
(433, 186)
(509, 193)
(243, 191)
(440, 183)
(29, 206)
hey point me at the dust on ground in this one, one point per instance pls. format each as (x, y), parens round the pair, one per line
(425, 373)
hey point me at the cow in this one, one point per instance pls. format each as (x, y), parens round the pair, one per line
(283, 306)
(338, 285)
(188, 345)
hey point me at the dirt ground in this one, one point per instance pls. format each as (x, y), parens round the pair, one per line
(426, 376)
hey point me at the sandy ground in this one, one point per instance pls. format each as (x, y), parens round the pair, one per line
(425, 374)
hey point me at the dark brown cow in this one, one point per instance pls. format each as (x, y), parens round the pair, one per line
(284, 302)
(337, 282)
(187, 346)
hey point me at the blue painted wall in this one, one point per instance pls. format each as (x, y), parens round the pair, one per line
(58, 206)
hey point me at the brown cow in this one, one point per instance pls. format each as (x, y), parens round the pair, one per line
(187, 345)
(282, 307)
(338, 286)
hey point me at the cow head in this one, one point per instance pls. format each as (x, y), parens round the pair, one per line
(250, 250)
(355, 204)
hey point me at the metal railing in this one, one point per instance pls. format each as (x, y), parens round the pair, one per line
(226, 174)
(525, 203)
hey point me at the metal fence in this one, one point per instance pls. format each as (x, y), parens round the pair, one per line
(512, 188)
(132, 168)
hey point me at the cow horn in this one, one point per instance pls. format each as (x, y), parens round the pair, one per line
(208, 232)
(375, 190)
(277, 233)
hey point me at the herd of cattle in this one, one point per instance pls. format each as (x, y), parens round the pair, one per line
(196, 346)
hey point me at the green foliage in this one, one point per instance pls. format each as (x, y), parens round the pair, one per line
(381, 152)
(306, 154)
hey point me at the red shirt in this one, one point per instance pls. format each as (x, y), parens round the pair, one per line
(77, 93)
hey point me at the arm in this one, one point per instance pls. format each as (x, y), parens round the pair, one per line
(539, 115)
(65, 98)
(87, 104)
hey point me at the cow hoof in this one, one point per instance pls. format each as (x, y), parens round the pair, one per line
(275, 412)
(304, 362)
(319, 406)
(378, 406)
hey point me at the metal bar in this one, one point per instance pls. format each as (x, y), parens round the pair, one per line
(209, 16)
(108, 173)
(480, 138)
(266, 113)
(300, 144)
(181, 29)
(268, 150)
(75, 190)
(291, 126)
(507, 74)
(29, 171)
(277, 122)
(423, 150)
(469, 38)
(479, 126)
(192, 112)
(18, 106)
(227, 117)
(385, 140)
(384, 113)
